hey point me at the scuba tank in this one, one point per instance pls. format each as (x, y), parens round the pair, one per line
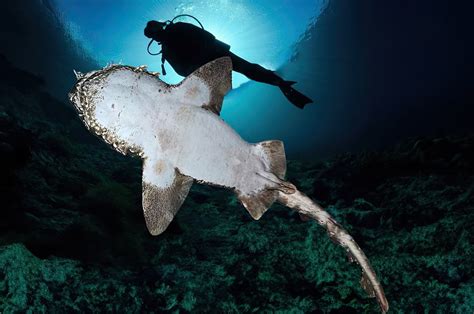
(166, 24)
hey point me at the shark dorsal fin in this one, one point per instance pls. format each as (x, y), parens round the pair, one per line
(207, 85)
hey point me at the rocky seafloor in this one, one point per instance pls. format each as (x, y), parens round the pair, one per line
(73, 238)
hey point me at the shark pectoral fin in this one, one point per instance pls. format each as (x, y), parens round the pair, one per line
(207, 85)
(164, 191)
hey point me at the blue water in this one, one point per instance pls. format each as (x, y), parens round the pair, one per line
(263, 31)
(378, 72)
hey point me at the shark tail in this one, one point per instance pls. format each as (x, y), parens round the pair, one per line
(273, 156)
(305, 206)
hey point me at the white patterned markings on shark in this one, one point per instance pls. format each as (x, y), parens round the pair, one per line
(177, 131)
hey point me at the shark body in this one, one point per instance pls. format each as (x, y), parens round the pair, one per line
(177, 131)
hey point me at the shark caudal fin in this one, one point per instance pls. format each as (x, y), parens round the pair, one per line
(207, 85)
(273, 155)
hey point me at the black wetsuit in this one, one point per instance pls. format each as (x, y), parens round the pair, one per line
(187, 47)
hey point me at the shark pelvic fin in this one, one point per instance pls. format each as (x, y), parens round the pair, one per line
(164, 191)
(257, 204)
(273, 156)
(208, 84)
(273, 153)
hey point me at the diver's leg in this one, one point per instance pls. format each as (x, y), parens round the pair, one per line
(254, 71)
(260, 74)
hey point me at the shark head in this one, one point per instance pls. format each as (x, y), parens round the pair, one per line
(100, 97)
(91, 85)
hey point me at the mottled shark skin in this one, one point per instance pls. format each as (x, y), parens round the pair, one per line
(177, 131)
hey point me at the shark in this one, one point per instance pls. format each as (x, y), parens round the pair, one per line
(178, 133)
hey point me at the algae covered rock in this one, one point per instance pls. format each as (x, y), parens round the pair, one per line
(29, 283)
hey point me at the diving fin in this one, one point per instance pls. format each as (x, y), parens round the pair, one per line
(295, 97)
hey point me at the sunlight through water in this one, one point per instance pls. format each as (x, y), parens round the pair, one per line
(262, 31)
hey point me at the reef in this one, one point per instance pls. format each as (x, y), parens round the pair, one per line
(73, 237)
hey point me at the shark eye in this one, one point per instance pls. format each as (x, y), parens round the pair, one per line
(113, 106)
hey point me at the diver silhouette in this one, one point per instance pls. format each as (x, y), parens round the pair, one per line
(187, 47)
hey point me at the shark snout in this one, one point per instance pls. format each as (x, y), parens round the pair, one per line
(80, 94)
(75, 99)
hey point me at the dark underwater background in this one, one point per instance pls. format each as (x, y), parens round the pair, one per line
(387, 148)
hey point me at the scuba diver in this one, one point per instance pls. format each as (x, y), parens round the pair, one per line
(187, 47)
